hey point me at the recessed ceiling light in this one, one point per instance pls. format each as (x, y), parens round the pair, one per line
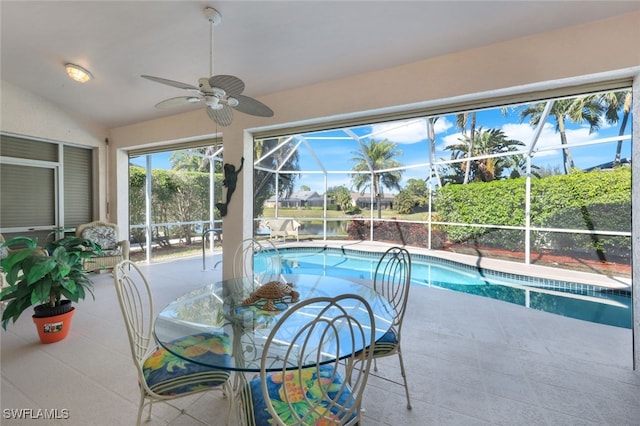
(78, 73)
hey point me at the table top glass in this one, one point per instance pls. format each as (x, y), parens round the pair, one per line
(213, 320)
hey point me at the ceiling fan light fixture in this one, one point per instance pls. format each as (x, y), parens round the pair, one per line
(213, 102)
(77, 73)
(232, 102)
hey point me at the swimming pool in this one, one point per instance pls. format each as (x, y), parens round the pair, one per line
(581, 301)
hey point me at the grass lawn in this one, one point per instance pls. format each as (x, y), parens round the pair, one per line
(316, 213)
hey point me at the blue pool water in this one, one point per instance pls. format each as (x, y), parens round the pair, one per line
(581, 301)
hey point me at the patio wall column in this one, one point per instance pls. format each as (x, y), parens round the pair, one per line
(237, 225)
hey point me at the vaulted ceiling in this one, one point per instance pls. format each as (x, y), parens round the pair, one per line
(271, 45)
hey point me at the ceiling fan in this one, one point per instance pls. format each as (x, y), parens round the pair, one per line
(220, 93)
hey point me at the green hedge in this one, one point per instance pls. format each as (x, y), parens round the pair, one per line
(598, 200)
(499, 202)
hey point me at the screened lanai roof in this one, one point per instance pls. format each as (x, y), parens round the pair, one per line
(430, 146)
(427, 146)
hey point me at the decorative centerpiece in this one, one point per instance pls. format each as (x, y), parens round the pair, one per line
(272, 292)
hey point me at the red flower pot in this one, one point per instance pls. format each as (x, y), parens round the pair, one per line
(54, 328)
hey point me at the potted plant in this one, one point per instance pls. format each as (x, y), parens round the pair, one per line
(48, 278)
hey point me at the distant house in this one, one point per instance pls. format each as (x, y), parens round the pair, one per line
(270, 202)
(297, 199)
(609, 165)
(364, 201)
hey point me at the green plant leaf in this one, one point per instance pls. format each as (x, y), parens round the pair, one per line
(40, 267)
(40, 292)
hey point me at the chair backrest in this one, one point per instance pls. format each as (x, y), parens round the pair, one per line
(392, 280)
(319, 337)
(136, 302)
(258, 258)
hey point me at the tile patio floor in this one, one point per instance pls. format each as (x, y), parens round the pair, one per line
(471, 361)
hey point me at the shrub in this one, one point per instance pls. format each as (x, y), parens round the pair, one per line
(598, 200)
(402, 233)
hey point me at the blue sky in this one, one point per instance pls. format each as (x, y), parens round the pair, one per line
(335, 149)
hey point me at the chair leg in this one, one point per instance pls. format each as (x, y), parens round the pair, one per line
(141, 408)
(230, 394)
(404, 377)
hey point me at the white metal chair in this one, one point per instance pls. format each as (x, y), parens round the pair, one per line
(392, 280)
(257, 258)
(163, 376)
(313, 336)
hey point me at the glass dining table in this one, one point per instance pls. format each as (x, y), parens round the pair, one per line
(214, 328)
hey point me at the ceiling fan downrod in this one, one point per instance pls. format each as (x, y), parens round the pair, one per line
(214, 18)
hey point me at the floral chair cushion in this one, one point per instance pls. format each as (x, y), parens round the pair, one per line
(168, 374)
(105, 236)
(316, 381)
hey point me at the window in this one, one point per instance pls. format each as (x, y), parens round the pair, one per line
(35, 196)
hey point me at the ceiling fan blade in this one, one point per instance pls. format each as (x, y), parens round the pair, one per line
(171, 83)
(222, 116)
(252, 106)
(229, 83)
(177, 102)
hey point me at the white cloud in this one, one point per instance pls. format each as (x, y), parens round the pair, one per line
(452, 139)
(413, 132)
(524, 132)
(442, 125)
(605, 125)
(549, 137)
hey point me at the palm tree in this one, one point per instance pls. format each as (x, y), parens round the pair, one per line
(461, 123)
(576, 110)
(486, 142)
(181, 160)
(518, 167)
(264, 180)
(431, 132)
(341, 197)
(611, 103)
(377, 155)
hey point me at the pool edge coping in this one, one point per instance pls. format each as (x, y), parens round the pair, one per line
(499, 268)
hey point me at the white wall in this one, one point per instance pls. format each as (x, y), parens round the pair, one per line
(27, 114)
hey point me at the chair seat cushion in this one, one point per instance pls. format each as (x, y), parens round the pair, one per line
(168, 374)
(316, 381)
(386, 344)
(111, 252)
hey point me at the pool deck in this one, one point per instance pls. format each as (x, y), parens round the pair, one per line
(622, 283)
(471, 360)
